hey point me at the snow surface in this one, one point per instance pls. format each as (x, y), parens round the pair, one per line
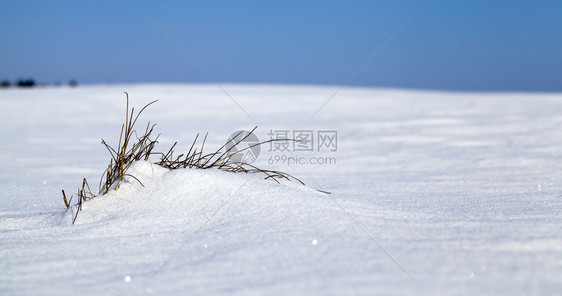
(461, 190)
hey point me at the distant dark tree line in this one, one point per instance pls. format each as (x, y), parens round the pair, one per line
(30, 82)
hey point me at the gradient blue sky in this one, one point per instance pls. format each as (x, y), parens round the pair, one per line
(459, 45)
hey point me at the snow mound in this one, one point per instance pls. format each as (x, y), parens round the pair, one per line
(233, 227)
(165, 198)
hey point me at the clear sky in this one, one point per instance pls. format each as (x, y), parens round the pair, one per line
(460, 45)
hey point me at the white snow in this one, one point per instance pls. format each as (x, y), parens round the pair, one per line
(463, 192)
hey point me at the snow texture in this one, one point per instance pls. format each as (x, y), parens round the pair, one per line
(461, 192)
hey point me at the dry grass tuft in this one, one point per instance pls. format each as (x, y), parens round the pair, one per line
(219, 159)
(132, 149)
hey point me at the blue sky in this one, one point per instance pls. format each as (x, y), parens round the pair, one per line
(457, 45)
